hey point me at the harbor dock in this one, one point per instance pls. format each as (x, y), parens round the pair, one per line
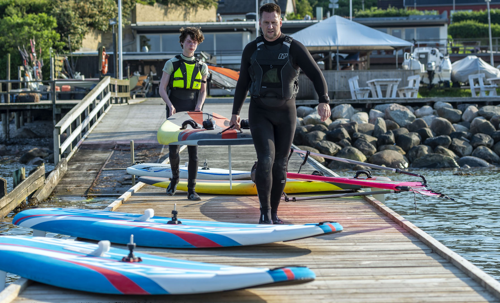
(378, 257)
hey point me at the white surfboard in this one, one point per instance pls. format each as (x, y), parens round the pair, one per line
(164, 171)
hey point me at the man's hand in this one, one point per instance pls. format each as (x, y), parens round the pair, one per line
(235, 120)
(197, 108)
(324, 111)
(172, 110)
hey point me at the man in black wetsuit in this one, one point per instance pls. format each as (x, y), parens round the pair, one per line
(186, 79)
(270, 69)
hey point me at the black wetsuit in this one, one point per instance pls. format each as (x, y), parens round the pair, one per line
(273, 128)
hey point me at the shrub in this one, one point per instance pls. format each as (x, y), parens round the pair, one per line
(390, 12)
(472, 29)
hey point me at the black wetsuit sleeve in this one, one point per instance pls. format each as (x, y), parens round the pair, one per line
(241, 91)
(305, 61)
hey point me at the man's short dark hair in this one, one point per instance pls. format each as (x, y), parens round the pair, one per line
(269, 8)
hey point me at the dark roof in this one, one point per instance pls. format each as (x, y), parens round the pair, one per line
(229, 7)
(410, 3)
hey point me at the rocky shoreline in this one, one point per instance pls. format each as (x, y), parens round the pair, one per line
(399, 136)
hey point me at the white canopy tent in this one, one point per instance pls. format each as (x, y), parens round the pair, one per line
(342, 35)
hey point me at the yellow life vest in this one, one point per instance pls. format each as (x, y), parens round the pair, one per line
(186, 75)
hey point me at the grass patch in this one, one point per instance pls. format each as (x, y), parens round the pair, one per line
(444, 92)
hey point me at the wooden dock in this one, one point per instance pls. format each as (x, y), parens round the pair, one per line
(379, 257)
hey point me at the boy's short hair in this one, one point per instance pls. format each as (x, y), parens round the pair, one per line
(269, 8)
(194, 32)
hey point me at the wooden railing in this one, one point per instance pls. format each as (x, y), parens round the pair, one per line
(77, 124)
(21, 191)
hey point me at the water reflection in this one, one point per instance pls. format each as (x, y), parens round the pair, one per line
(470, 226)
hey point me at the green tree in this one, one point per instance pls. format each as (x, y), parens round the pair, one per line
(390, 12)
(182, 3)
(17, 32)
(343, 9)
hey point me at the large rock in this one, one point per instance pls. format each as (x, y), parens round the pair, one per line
(374, 114)
(303, 111)
(349, 152)
(481, 140)
(450, 114)
(344, 143)
(489, 111)
(463, 106)
(496, 148)
(391, 125)
(365, 147)
(484, 127)
(335, 135)
(441, 104)
(417, 124)
(34, 153)
(399, 114)
(312, 137)
(392, 147)
(337, 122)
(389, 158)
(342, 111)
(474, 125)
(424, 133)
(434, 161)
(441, 126)
(370, 139)
(486, 154)
(383, 107)
(300, 135)
(470, 113)
(408, 141)
(495, 121)
(460, 128)
(36, 161)
(425, 110)
(351, 127)
(446, 152)
(320, 127)
(496, 136)
(418, 152)
(360, 118)
(387, 138)
(461, 135)
(379, 127)
(472, 162)
(429, 119)
(442, 140)
(400, 131)
(366, 128)
(312, 150)
(461, 147)
(315, 118)
(299, 122)
(326, 147)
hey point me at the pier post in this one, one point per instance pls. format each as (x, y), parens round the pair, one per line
(17, 118)
(132, 155)
(3, 187)
(18, 176)
(9, 85)
(5, 125)
(53, 90)
(380, 197)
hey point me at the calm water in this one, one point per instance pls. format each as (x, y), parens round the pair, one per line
(470, 226)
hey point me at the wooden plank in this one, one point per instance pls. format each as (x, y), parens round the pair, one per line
(50, 182)
(23, 190)
(11, 292)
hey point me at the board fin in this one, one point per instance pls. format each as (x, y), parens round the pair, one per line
(103, 248)
(148, 214)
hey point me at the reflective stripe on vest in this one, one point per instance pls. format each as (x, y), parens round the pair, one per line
(190, 81)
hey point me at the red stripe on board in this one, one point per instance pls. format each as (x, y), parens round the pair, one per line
(289, 274)
(124, 284)
(31, 216)
(197, 117)
(193, 239)
(331, 226)
(230, 134)
(186, 133)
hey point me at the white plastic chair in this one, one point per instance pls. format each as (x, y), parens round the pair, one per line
(476, 83)
(410, 91)
(356, 91)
